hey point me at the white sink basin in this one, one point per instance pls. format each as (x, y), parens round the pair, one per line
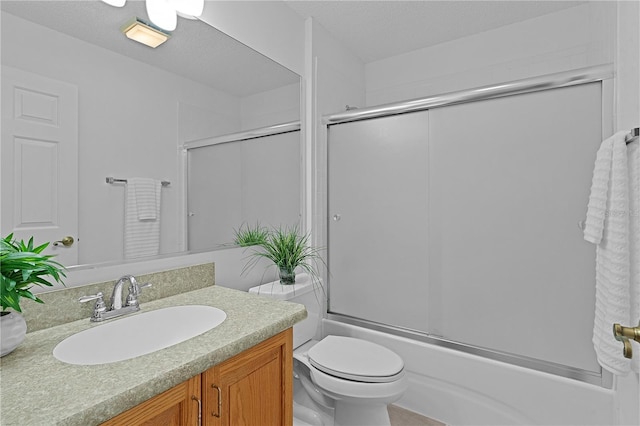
(137, 335)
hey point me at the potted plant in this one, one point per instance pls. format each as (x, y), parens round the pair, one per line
(289, 251)
(247, 236)
(22, 266)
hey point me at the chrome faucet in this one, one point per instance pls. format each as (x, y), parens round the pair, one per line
(100, 311)
(116, 295)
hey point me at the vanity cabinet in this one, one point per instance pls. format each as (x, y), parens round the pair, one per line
(177, 406)
(254, 387)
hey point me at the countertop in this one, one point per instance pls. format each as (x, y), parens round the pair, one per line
(37, 389)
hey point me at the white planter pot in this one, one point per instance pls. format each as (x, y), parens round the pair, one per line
(13, 328)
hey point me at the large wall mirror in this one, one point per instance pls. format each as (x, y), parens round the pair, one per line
(136, 109)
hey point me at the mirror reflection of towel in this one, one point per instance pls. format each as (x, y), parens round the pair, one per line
(147, 197)
(142, 217)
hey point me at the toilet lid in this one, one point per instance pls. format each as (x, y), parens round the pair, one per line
(356, 359)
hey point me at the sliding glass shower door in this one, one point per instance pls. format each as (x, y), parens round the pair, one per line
(378, 219)
(242, 183)
(461, 223)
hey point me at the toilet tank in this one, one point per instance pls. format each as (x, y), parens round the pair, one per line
(305, 291)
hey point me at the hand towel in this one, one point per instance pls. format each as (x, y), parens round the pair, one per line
(633, 152)
(142, 218)
(607, 226)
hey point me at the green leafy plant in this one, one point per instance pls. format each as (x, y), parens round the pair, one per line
(289, 250)
(251, 236)
(23, 266)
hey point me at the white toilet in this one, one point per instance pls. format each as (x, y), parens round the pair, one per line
(340, 381)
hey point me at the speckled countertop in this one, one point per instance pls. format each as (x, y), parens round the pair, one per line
(37, 389)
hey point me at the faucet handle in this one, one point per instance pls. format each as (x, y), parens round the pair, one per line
(99, 307)
(97, 297)
(134, 292)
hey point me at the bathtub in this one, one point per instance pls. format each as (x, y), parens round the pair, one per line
(457, 388)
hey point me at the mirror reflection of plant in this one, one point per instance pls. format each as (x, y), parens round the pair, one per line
(289, 251)
(23, 266)
(247, 236)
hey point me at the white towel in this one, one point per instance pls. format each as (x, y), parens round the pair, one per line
(142, 217)
(147, 195)
(607, 226)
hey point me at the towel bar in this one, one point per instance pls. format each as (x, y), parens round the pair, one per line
(110, 179)
(632, 136)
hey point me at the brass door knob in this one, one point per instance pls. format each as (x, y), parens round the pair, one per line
(66, 241)
(623, 334)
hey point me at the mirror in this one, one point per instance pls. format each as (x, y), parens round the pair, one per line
(138, 106)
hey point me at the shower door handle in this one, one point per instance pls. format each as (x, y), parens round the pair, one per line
(623, 334)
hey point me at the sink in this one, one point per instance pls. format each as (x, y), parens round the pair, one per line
(138, 335)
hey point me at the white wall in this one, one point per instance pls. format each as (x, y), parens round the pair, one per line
(270, 27)
(572, 38)
(130, 118)
(276, 106)
(628, 65)
(339, 74)
(336, 79)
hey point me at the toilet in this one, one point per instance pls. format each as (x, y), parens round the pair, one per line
(339, 380)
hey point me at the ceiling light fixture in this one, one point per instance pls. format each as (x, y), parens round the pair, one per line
(137, 30)
(191, 8)
(164, 13)
(116, 3)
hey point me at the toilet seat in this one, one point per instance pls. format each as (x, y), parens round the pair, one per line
(357, 360)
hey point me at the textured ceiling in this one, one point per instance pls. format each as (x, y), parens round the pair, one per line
(374, 30)
(195, 50)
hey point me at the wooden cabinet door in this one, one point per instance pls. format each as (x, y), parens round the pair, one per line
(252, 388)
(178, 406)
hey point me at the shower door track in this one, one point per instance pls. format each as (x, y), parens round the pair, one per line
(602, 378)
(527, 85)
(275, 129)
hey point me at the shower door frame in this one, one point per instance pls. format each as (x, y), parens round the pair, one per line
(244, 135)
(603, 74)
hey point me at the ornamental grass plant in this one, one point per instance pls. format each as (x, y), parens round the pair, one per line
(247, 236)
(289, 251)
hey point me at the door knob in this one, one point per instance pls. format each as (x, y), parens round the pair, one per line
(623, 334)
(66, 241)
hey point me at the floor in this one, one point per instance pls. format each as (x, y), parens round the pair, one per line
(402, 417)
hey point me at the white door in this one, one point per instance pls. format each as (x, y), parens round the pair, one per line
(39, 160)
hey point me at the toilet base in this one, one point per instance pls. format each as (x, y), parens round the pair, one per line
(349, 414)
(307, 416)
